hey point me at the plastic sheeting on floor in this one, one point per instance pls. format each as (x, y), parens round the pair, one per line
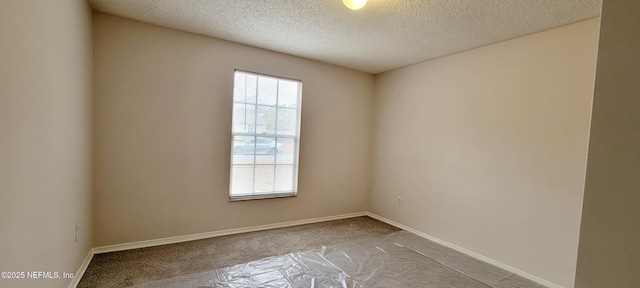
(401, 259)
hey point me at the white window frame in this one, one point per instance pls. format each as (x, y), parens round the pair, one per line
(296, 141)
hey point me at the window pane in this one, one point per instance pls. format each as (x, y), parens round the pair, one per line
(284, 178)
(288, 93)
(264, 178)
(266, 149)
(243, 150)
(287, 153)
(266, 119)
(244, 119)
(251, 88)
(242, 179)
(287, 122)
(240, 87)
(267, 91)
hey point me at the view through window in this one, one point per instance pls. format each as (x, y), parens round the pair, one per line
(266, 128)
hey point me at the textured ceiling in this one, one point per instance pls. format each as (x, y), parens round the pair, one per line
(384, 35)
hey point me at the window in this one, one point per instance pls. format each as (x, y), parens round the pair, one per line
(266, 129)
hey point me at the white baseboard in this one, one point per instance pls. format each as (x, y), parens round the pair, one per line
(83, 267)
(185, 238)
(468, 252)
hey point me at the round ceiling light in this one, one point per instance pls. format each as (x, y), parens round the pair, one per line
(354, 4)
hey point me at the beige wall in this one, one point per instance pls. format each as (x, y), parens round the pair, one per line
(163, 103)
(488, 148)
(610, 233)
(45, 134)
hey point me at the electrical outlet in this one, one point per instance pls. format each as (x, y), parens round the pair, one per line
(400, 201)
(77, 232)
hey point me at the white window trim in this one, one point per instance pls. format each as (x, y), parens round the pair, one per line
(296, 152)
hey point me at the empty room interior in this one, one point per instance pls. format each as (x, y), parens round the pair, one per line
(319, 143)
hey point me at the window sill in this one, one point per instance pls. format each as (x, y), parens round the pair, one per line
(261, 196)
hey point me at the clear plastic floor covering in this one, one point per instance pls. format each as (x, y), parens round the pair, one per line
(401, 259)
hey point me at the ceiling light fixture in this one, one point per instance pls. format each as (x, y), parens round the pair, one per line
(354, 4)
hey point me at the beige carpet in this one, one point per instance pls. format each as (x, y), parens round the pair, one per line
(126, 268)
